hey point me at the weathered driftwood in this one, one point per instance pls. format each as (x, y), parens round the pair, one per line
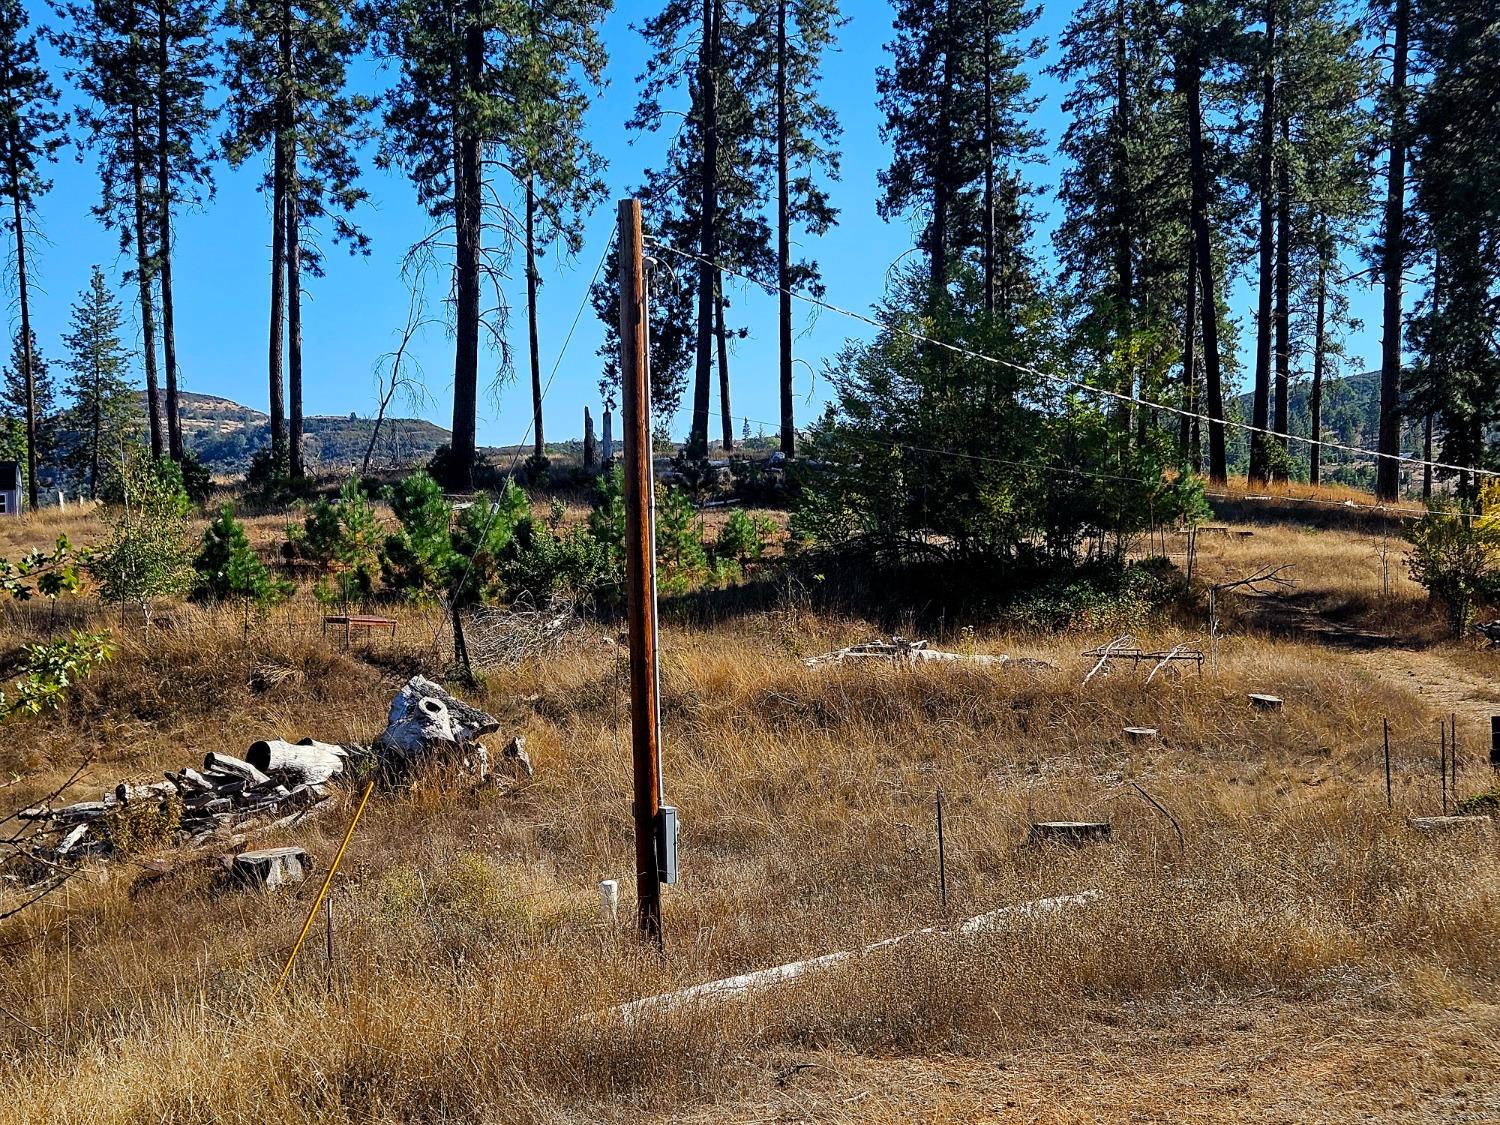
(1071, 832)
(308, 763)
(236, 767)
(912, 653)
(424, 719)
(995, 920)
(1434, 825)
(271, 868)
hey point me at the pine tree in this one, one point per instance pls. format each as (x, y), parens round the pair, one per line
(806, 132)
(1325, 194)
(30, 404)
(180, 71)
(287, 75)
(103, 413)
(1456, 334)
(957, 109)
(1126, 195)
(453, 98)
(1204, 29)
(558, 59)
(1264, 64)
(1393, 252)
(31, 131)
(711, 189)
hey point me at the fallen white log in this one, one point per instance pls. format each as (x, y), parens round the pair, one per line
(308, 764)
(425, 719)
(748, 982)
(914, 653)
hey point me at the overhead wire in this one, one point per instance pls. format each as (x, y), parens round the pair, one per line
(1079, 384)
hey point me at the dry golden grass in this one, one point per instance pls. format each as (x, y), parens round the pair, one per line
(1301, 945)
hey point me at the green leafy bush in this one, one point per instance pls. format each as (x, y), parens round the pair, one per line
(50, 668)
(149, 552)
(1455, 556)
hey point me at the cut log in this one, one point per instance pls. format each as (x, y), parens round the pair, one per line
(1141, 734)
(84, 810)
(1070, 832)
(1265, 702)
(71, 839)
(271, 868)
(154, 791)
(1434, 825)
(309, 765)
(234, 767)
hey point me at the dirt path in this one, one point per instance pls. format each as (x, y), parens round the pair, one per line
(1449, 687)
(1333, 1061)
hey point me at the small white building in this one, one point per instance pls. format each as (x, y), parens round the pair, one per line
(10, 488)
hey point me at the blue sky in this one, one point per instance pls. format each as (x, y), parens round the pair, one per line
(354, 315)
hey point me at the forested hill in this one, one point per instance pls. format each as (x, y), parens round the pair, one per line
(1351, 416)
(224, 434)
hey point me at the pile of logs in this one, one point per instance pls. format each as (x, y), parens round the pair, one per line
(276, 784)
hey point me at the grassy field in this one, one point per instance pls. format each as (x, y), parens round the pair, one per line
(1298, 955)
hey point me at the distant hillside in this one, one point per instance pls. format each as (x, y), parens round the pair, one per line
(224, 434)
(1351, 416)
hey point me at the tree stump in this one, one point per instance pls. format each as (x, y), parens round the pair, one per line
(1142, 734)
(1265, 702)
(271, 868)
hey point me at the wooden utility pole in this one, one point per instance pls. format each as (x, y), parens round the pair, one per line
(640, 569)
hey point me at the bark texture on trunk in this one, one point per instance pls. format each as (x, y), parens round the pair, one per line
(164, 235)
(1192, 76)
(1261, 412)
(295, 463)
(1315, 398)
(726, 417)
(708, 220)
(144, 272)
(1388, 470)
(28, 361)
(1283, 293)
(539, 441)
(468, 215)
(784, 238)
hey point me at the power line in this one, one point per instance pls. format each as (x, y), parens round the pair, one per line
(1117, 396)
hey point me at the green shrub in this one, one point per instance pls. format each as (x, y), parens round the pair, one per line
(49, 669)
(1455, 556)
(744, 537)
(149, 552)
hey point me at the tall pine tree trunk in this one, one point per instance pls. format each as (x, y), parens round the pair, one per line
(539, 442)
(937, 234)
(1192, 76)
(1315, 397)
(28, 361)
(296, 467)
(1388, 470)
(1283, 294)
(1266, 187)
(278, 301)
(989, 164)
(468, 217)
(1189, 359)
(726, 419)
(96, 432)
(784, 237)
(1427, 456)
(164, 235)
(708, 221)
(1124, 238)
(143, 275)
(295, 463)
